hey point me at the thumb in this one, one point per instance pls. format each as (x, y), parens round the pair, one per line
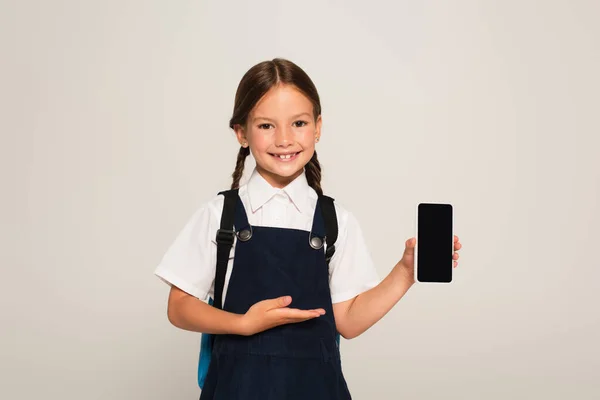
(409, 250)
(280, 302)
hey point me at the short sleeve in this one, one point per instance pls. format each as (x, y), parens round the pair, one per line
(351, 268)
(189, 262)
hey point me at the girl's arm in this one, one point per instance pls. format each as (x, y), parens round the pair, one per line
(355, 316)
(190, 313)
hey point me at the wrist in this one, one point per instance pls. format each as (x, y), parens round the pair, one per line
(239, 325)
(405, 274)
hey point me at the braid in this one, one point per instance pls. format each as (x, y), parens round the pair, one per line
(313, 174)
(239, 167)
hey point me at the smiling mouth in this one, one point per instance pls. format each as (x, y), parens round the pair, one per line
(285, 157)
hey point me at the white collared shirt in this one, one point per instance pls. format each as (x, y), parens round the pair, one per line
(190, 261)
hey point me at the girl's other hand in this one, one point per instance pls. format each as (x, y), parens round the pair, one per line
(406, 264)
(270, 313)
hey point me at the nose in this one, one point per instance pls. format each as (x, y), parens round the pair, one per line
(284, 137)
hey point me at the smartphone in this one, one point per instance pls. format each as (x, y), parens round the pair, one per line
(435, 243)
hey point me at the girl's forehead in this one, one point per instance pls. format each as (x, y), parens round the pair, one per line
(282, 100)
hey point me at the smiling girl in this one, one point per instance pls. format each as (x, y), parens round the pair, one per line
(289, 285)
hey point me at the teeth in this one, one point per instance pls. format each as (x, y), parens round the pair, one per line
(286, 157)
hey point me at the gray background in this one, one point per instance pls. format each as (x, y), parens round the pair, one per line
(114, 129)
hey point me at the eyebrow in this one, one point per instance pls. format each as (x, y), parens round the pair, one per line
(269, 119)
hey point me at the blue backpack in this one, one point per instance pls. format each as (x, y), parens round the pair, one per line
(225, 239)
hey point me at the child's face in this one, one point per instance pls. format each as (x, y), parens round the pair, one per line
(281, 132)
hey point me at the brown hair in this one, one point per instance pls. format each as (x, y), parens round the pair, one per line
(254, 85)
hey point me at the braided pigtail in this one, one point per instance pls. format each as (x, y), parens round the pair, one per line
(239, 167)
(313, 174)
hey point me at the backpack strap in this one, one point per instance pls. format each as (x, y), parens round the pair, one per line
(331, 225)
(225, 239)
(331, 233)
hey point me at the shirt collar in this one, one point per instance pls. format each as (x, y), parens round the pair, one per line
(260, 192)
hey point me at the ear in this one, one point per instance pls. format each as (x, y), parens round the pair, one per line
(318, 128)
(240, 132)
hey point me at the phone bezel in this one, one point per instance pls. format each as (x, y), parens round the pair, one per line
(416, 263)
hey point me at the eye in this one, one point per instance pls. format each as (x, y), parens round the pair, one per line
(264, 126)
(299, 124)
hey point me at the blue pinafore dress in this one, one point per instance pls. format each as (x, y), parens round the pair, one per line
(298, 361)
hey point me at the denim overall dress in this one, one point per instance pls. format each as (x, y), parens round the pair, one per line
(297, 361)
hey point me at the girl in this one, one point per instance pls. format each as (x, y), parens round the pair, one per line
(283, 301)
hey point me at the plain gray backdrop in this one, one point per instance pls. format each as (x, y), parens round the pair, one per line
(114, 123)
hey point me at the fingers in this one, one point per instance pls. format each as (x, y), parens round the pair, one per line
(278, 306)
(296, 315)
(455, 257)
(457, 246)
(270, 313)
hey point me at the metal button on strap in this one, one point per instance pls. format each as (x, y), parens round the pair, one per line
(316, 242)
(244, 235)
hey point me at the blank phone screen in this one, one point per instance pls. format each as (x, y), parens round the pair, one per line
(435, 243)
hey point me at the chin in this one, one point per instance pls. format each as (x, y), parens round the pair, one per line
(286, 174)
